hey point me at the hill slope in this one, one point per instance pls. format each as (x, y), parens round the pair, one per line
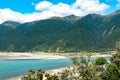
(64, 34)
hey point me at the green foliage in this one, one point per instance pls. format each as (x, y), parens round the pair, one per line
(116, 57)
(81, 69)
(51, 77)
(34, 75)
(100, 61)
(64, 75)
(111, 73)
(112, 70)
(11, 48)
(67, 34)
(75, 60)
(39, 74)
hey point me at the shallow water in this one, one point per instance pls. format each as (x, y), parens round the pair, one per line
(12, 68)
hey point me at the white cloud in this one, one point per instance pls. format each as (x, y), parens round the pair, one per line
(43, 5)
(47, 9)
(79, 7)
(7, 14)
(90, 6)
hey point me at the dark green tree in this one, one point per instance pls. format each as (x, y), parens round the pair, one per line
(100, 61)
(111, 72)
(51, 77)
(116, 57)
(39, 74)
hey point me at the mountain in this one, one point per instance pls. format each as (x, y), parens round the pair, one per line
(11, 24)
(8, 25)
(112, 31)
(92, 32)
(29, 35)
(70, 18)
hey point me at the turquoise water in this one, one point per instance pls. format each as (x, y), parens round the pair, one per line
(12, 68)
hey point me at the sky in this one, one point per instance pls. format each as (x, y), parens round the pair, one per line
(30, 10)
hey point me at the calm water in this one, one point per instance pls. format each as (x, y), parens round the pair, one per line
(12, 68)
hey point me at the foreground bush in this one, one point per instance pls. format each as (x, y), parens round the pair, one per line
(83, 69)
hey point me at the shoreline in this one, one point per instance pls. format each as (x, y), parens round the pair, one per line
(31, 56)
(42, 55)
(27, 56)
(39, 56)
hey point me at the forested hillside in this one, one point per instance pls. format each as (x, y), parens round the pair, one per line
(92, 32)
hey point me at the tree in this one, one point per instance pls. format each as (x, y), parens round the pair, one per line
(31, 74)
(65, 74)
(116, 57)
(75, 60)
(39, 74)
(51, 77)
(111, 72)
(100, 61)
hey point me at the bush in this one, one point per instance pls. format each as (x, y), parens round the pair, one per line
(100, 61)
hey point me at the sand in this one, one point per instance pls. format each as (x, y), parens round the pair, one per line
(20, 55)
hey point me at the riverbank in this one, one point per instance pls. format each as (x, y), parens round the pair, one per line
(55, 71)
(44, 56)
(40, 56)
(20, 56)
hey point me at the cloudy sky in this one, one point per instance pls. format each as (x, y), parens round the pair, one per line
(30, 10)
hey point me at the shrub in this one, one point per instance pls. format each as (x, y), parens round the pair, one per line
(100, 61)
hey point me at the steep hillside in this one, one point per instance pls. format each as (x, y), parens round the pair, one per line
(92, 32)
(29, 35)
(111, 31)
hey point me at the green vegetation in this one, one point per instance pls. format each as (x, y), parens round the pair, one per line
(116, 57)
(100, 61)
(51, 77)
(92, 32)
(32, 75)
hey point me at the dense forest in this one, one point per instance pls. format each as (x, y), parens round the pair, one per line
(92, 32)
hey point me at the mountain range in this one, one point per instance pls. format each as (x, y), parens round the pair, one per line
(92, 32)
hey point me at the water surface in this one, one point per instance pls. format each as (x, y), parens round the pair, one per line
(12, 68)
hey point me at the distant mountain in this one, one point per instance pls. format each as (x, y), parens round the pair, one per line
(8, 25)
(92, 32)
(11, 24)
(112, 30)
(70, 18)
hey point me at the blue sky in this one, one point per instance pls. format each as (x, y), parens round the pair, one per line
(30, 10)
(25, 6)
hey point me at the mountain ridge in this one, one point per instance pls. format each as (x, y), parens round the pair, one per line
(64, 34)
